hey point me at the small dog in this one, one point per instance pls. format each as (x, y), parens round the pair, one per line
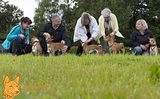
(153, 47)
(88, 49)
(53, 47)
(36, 47)
(49, 38)
(11, 88)
(114, 47)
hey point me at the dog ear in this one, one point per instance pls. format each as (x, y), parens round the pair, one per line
(63, 42)
(6, 79)
(154, 37)
(17, 79)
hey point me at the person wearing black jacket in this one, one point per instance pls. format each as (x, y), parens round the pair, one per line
(140, 38)
(57, 30)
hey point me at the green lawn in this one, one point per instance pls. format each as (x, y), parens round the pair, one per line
(85, 77)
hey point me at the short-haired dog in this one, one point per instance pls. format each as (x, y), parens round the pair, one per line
(88, 49)
(36, 47)
(56, 46)
(114, 47)
(153, 50)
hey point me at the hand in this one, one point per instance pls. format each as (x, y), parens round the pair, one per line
(143, 47)
(113, 33)
(65, 48)
(89, 40)
(21, 36)
(83, 44)
(27, 42)
(45, 34)
(104, 38)
(146, 45)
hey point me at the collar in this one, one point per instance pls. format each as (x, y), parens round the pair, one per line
(35, 42)
(153, 45)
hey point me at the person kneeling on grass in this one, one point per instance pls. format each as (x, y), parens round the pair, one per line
(56, 29)
(17, 40)
(86, 30)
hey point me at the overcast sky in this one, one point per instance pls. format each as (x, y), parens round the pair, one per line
(27, 6)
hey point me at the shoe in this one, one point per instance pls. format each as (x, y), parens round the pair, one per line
(78, 54)
(46, 54)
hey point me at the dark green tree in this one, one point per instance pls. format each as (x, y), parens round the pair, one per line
(43, 13)
(10, 16)
(123, 9)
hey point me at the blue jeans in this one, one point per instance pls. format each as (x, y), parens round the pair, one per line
(139, 51)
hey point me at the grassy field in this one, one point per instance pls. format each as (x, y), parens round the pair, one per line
(85, 77)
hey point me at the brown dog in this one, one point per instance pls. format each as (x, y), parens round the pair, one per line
(153, 47)
(49, 38)
(53, 47)
(36, 47)
(88, 49)
(114, 47)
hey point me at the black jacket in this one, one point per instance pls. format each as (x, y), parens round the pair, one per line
(58, 34)
(137, 38)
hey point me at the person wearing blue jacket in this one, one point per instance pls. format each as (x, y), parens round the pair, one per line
(17, 40)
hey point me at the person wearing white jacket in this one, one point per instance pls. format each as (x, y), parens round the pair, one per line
(86, 30)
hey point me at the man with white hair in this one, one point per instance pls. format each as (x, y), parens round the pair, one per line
(57, 30)
(108, 25)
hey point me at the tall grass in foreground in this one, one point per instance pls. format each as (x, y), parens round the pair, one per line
(85, 77)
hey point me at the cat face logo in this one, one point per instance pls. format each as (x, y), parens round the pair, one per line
(11, 88)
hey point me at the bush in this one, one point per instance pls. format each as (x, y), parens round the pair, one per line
(155, 74)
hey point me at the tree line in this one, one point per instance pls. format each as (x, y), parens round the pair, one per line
(9, 16)
(127, 12)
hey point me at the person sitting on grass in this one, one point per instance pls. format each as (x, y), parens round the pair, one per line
(140, 38)
(17, 40)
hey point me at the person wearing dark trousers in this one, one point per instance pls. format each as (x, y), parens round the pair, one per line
(18, 46)
(17, 41)
(86, 30)
(57, 31)
(80, 47)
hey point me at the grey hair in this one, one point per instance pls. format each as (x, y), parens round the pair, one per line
(85, 17)
(106, 12)
(144, 23)
(56, 16)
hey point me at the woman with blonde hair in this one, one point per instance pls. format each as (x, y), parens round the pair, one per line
(140, 38)
(86, 30)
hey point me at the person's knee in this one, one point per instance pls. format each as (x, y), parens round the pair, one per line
(28, 48)
(137, 50)
(17, 40)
